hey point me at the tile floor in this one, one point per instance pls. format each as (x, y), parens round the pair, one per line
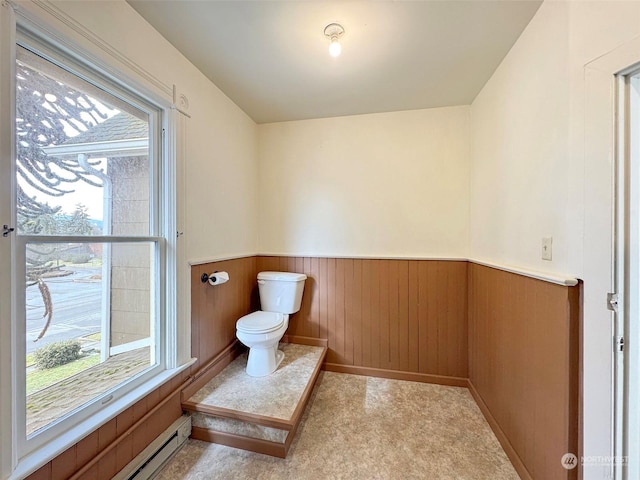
(276, 395)
(359, 427)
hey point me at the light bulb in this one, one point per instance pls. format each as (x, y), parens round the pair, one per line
(334, 47)
(334, 32)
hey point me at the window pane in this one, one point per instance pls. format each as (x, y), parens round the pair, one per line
(82, 156)
(90, 323)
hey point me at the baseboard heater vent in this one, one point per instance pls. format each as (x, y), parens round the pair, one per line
(149, 461)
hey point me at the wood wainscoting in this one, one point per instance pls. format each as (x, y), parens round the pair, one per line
(216, 309)
(512, 339)
(523, 367)
(403, 319)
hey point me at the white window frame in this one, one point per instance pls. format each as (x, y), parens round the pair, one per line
(18, 459)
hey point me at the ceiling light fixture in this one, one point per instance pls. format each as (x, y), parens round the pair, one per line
(334, 31)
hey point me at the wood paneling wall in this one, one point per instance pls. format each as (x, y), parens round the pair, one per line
(405, 316)
(523, 366)
(216, 309)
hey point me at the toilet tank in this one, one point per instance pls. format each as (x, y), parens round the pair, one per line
(281, 291)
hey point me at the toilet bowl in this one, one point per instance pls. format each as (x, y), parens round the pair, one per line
(261, 332)
(280, 296)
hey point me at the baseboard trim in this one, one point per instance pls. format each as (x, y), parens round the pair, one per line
(516, 461)
(310, 341)
(397, 375)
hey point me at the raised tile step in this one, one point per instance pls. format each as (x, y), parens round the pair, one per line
(257, 414)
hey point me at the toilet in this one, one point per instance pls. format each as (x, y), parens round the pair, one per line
(280, 296)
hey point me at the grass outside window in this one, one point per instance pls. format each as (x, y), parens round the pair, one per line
(40, 379)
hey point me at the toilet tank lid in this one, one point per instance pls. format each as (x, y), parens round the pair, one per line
(282, 276)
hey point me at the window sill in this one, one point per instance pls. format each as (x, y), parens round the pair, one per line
(36, 459)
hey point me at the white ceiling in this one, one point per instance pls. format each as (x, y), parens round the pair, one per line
(271, 57)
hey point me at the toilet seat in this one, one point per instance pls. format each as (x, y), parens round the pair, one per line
(260, 322)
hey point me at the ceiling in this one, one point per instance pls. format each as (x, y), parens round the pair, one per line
(271, 57)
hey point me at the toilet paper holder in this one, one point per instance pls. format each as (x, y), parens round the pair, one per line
(214, 279)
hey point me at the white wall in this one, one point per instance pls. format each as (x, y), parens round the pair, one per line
(533, 176)
(221, 168)
(384, 185)
(519, 140)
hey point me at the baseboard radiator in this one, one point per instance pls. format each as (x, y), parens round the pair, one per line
(149, 461)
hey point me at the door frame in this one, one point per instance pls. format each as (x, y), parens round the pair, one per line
(627, 266)
(602, 436)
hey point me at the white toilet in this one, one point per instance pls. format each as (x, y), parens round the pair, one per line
(280, 295)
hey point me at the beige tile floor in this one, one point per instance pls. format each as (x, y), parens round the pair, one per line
(359, 427)
(276, 395)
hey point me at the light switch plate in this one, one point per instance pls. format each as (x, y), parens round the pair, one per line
(547, 248)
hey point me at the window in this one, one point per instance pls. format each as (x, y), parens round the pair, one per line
(92, 272)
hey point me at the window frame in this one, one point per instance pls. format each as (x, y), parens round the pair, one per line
(29, 443)
(24, 458)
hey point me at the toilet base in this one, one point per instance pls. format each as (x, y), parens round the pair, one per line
(263, 361)
(279, 357)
